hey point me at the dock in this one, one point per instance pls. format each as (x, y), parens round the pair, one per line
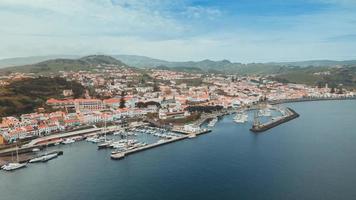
(182, 131)
(121, 155)
(290, 115)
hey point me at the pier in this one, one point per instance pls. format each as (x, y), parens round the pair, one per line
(150, 146)
(290, 115)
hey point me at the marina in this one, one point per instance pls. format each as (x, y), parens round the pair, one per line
(124, 142)
(287, 115)
(231, 151)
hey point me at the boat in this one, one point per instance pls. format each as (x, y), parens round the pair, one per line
(240, 118)
(35, 149)
(192, 136)
(90, 139)
(14, 165)
(68, 141)
(265, 112)
(105, 144)
(44, 158)
(212, 122)
(117, 156)
(117, 133)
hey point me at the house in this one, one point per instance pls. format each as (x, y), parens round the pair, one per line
(88, 105)
(2, 140)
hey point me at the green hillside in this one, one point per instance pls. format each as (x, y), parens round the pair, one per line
(55, 65)
(25, 95)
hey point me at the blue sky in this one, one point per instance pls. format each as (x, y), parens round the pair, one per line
(238, 30)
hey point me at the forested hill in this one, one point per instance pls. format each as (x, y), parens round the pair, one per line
(23, 96)
(61, 64)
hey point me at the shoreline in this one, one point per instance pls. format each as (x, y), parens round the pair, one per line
(275, 102)
(6, 151)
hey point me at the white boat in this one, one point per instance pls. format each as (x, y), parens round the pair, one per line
(265, 112)
(192, 136)
(117, 156)
(118, 133)
(68, 141)
(240, 118)
(44, 158)
(212, 122)
(35, 150)
(105, 144)
(14, 165)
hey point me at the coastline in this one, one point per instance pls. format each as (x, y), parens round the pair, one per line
(275, 102)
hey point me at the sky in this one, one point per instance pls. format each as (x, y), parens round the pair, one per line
(181, 30)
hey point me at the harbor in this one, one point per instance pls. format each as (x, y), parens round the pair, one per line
(287, 115)
(139, 137)
(230, 150)
(120, 143)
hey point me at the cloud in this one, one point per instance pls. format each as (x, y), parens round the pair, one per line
(240, 30)
(202, 12)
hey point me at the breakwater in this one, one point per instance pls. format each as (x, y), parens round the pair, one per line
(290, 115)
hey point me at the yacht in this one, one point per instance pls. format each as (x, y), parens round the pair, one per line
(14, 165)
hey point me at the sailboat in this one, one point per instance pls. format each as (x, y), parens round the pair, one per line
(106, 142)
(14, 165)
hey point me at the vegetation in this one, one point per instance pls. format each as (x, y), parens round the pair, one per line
(122, 100)
(334, 77)
(55, 65)
(146, 104)
(205, 109)
(23, 96)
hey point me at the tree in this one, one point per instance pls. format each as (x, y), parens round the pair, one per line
(122, 100)
(155, 87)
(332, 90)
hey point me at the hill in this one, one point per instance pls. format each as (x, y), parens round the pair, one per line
(10, 62)
(319, 76)
(225, 66)
(23, 96)
(73, 62)
(61, 64)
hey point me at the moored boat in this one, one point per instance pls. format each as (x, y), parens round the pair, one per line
(44, 158)
(13, 166)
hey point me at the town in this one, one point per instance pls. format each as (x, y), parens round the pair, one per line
(120, 95)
